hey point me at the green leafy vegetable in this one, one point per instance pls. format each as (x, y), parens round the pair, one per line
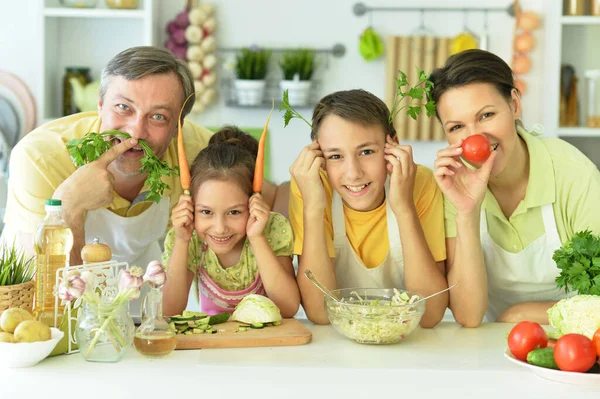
(290, 112)
(578, 314)
(417, 92)
(254, 309)
(579, 264)
(91, 146)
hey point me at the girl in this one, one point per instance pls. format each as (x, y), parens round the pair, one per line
(505, 217)
(225, 237)
(375, 217)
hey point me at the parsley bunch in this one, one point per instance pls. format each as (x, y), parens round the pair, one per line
(579, 264)
(417, 92)
(290, 112)
(91, 146)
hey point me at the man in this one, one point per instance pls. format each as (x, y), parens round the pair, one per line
(142, 92)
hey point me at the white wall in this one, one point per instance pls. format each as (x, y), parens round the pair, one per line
(293, 23)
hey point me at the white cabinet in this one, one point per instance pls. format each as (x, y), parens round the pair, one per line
(87, 37)
(569, 40)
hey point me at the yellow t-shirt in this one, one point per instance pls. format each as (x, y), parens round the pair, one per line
(367, 231)
(40, 162)
(241, 275)
(559, 174)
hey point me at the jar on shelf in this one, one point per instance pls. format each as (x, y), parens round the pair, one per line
(595, 8)
(123, 4)
(78, 3)
(593, 96)
(575, 7)
(83, 75)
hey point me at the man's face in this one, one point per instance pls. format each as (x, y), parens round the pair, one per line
(147, 109)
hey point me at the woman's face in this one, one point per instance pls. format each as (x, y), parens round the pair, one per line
(479, 108)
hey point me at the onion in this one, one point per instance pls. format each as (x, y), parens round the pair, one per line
(172, 27)
(179, 36)
(524, 43)
(521, 64)
(180, 51)
(182, 19)
(521, 85)
(528, 21)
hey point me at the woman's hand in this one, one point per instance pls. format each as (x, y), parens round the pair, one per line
(182, 217)
(402, 170)
(259, 216)
(306, 172)
(465, 188)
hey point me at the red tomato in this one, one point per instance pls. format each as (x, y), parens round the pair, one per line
(476, 148)
(596, 342)
(574, 352)
(525, 337)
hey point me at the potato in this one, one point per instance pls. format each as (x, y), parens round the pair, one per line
(11, 318)
(6, 337)
(32, 331)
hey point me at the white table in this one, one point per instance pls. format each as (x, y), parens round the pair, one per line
(448, 361)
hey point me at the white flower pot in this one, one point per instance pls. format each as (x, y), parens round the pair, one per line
(249, 92)
(298, 91)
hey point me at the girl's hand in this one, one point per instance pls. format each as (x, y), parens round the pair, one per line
(259, 216)
(402, 169)
(183, 218)
(465, 188)
(305, 170)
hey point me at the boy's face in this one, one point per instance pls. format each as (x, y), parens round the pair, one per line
(354, 161)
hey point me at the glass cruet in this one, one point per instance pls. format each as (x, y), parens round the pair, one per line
(154, 338)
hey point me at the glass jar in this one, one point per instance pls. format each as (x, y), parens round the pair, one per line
(124, 4)
(104, 331)
(154, 338)
(83, 75)
(79, 3)
(593, 96)
(575, 7)
(595, 7)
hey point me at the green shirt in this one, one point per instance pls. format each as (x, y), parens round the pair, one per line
(559, 175)
(240, 276)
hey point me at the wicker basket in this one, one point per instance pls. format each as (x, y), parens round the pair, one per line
(17, 296)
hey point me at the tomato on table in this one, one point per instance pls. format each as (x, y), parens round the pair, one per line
(476, 148)
(574, 352)
(596, 342)
(525, 337)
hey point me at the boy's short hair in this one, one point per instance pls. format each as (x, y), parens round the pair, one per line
(358, 106)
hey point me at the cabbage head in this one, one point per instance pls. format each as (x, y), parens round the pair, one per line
(579, 314)
(256, 309)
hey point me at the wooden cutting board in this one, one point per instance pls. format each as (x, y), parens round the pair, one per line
(291, 332)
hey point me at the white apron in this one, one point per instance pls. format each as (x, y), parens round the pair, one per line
(527, 276)
(132, 239)
(350, 271)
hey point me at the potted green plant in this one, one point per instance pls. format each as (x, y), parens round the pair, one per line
(298, 67)
(16, 279)
(251, 70)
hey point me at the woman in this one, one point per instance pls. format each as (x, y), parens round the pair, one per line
(506, 216)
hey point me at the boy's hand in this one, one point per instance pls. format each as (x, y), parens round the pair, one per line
(306, 171)
(402, 169)
(183, 218)
(259, 216)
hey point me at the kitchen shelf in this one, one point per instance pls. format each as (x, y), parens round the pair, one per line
(578, 132)
(580, 20)
(63, 12)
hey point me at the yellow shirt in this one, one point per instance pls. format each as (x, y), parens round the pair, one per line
(560, 175)
(367, 231)
(40, 162)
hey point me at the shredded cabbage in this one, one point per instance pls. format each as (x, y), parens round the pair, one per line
(256, 308)
(378, 321)
(579, 314)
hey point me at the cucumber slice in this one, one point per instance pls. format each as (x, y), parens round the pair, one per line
(277, 323)
(219, 318)
(256, 325)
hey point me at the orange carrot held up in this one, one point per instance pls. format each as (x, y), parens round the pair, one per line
(259, 168)
(184, 167)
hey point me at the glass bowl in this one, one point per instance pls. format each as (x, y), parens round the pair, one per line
(370, 316)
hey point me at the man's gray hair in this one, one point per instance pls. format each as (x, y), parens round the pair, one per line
(137, 62)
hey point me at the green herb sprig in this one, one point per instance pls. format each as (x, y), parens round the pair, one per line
(415, 93)
(91, 146)
(579, 264)
(15, 267)
(290, 112)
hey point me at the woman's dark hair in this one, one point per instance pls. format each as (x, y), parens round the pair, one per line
(472, 66)
(358, 106)
(230, 155)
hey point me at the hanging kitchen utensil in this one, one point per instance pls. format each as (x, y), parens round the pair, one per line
(484, 38)
(466, 40)
(421, 31)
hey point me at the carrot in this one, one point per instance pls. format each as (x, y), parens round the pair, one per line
(184, 168)
(259, 168)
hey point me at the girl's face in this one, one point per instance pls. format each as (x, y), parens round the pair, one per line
(221, 215)
(478, 108)
(354, 161)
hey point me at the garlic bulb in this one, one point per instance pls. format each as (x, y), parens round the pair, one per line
(195, 53)
(210, 24)
(199, 87)
(194, 34)
(209, 62)
(209, 79)
(208, 44)
(208, 96)
(197, 16)
(196, 69)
